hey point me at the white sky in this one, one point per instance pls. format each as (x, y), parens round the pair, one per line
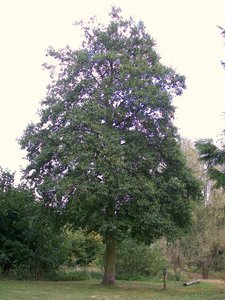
(187, 39)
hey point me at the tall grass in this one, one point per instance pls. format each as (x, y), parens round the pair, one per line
(76, 274)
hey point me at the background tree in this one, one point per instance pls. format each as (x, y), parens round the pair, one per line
(30, 242)
(84, 248)
(204, 244)
(6, 180)
(199, 167)
(105, 153)
(202, 247)
(135, 260)
(214, 157)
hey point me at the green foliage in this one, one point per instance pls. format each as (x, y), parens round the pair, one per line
(203, 246)
(70, 275)
(30, 243)
(105, 153)
(214, 157)
(192, 158)
(218, 258)
(46, 247)
(84, 247)
(136, 260)
(6, 180)
(75, 274)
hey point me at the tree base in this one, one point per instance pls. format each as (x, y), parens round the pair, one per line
(108, 281)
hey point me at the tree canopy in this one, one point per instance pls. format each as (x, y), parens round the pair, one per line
(214, 157)
(105, 154)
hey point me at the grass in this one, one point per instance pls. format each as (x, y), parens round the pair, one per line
(84, 290)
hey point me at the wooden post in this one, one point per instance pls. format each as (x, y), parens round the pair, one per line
(164, 278)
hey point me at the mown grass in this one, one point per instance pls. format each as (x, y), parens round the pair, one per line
(83, 290)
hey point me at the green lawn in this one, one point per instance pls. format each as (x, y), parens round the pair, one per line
(46, 290)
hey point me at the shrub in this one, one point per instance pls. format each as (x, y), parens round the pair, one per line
(30, 241)
(75, 274)
(84, 248)
(137, 260)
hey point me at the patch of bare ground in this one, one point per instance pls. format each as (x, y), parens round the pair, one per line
(213, 280)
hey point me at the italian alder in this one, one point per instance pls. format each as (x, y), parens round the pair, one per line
(105, 153)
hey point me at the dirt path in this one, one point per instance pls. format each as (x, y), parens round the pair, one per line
(196, 276)
(213, 280)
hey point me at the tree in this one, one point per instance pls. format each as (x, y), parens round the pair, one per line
(105, 153)
(23, 223)
(214, 157)
(84, 247)
(6, 180)
(204, 244)
(200, 169)
(137, 259)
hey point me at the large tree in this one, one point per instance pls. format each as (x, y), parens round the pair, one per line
(105, 153)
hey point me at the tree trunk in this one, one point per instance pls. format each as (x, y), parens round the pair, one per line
(205, 270)
(110, 262)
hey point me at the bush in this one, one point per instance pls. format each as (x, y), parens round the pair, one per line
(84, 248)
(138, 260)
(75, 274)
(31, 243)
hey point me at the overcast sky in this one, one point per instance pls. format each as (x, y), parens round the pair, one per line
(187, 39)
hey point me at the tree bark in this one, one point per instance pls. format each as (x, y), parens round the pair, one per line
(205, 270)
(110, 262)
